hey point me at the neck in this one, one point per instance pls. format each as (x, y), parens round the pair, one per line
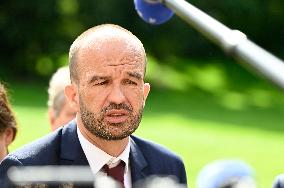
(111, 147)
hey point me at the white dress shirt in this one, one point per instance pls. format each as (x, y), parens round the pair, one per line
(97, 158)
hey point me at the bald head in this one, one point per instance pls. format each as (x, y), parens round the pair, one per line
(103, 38)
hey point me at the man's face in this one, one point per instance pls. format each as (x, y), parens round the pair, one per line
(111, 90)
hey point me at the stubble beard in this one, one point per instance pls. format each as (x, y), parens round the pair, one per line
(96, 124)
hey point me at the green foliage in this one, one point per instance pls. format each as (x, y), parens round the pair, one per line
(35, 35)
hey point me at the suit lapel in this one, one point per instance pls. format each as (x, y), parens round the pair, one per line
(73, 154)
(137, 162)
(71, 150)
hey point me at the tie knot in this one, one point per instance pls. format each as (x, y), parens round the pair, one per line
(116, 172)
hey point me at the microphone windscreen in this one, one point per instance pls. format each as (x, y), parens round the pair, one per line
(153, 12)
(279, 181)
(225, 173)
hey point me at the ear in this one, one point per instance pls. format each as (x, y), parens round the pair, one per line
(8, 134)
(51, 116)
(72, 96)
(146, 91)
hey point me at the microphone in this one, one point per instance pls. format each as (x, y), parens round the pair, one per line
(279, 181)
(153, 11)
(226, 174)
(233, 42)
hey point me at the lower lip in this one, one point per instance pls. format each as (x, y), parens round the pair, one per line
(116, 119)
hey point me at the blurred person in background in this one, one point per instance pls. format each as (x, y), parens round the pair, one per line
(107, 69)
(279, 181)
(226, 174)
(59, 110)
(8, 125)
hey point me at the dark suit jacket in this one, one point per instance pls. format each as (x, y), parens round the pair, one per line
(62, 147)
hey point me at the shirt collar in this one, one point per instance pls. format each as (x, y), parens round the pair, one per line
(97, 158)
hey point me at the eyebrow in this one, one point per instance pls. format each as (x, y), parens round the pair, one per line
(96, 78)
(135, 75)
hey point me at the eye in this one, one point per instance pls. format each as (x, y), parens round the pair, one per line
(105, 82)
(130, 82)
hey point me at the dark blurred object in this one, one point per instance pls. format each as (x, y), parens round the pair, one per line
(279, 181)
(226, 174)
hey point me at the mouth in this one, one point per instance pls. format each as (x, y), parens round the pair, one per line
(116, 116)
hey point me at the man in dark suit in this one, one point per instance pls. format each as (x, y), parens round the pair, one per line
(107, 68)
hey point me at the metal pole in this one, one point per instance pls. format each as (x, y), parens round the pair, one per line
(233, 42)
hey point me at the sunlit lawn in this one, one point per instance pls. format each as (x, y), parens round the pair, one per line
(198, 124)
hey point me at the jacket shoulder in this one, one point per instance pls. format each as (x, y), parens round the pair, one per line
(155, 150)
(43, 151)
(160, 161)
(40, 152)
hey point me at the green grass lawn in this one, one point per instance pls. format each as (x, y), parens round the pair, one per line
(201, 124)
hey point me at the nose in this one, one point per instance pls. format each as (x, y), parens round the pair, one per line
(116, 95)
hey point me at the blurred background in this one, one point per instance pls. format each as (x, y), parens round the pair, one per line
(202, 105)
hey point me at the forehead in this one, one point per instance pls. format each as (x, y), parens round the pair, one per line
(107, 53)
